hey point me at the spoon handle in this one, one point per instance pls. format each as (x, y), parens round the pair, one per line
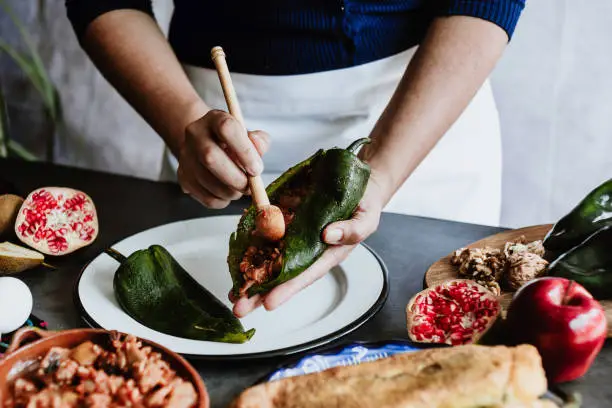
(258, 190)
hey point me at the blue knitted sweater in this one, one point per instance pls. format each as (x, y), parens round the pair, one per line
(285, 37)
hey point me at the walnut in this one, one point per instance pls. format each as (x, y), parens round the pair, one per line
(523, 267)
(483, 265)
(521, 245)
(517, 263)
(537, 248)
(492, 285)
(459, 255)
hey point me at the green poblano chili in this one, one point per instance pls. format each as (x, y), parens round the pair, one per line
(154, 289)
(593, 212)
(336, 180)
(589, 264)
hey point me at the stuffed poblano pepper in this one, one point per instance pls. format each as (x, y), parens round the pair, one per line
(592, 213)
(589, 264)
(154, 289)
(324, 188)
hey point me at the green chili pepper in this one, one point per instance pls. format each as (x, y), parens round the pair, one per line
(589, 264)
(332, 183)
(592, 213)
(154, 289)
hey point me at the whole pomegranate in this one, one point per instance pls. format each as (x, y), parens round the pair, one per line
(458, 311)
(57, 220)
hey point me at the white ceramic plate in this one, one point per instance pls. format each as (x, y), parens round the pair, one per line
(336, 304)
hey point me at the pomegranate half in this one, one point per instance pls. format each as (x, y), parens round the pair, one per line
(458, 311)
(57, 220)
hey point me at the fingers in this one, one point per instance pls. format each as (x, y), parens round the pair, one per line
(282, 293)
(215, 155)
(229, 131)
(206, 181)
(215, 186)
(198, 192)
(352, 231)
(344, 235)
(205, 151)
(261, 140)
(243, 305)
(246, 305)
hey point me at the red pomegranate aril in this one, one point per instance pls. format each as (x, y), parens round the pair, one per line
(57, 220)
(456, 337)
(57, 244)
(455, 312)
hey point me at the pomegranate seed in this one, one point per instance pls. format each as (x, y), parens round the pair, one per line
(452, 313)
(57, 220)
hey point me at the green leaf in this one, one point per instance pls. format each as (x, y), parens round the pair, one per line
(4, 134)
(20, 151)
(26, 65)
(32, 65)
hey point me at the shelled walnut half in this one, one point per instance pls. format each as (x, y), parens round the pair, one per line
(516, 264)
(521, 245)
(483, 265)
(523, 267)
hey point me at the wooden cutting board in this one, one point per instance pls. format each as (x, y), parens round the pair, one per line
(442, 270)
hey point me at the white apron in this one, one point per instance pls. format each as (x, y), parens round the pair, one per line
(459, 180)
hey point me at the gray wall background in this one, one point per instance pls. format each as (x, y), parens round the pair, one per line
(553, 88)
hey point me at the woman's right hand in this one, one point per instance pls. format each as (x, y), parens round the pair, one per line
(213, 155)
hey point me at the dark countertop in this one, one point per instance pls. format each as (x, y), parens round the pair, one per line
(126, 205)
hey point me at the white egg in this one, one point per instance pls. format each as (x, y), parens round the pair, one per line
(15, 304)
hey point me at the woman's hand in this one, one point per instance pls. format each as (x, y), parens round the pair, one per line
(342, 236)
(213, 155)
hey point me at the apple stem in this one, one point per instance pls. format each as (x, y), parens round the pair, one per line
(567, 292)
(46, 265)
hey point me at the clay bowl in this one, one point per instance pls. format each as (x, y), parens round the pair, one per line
(19, 357)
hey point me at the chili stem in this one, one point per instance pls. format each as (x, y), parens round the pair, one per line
(116, 255)
(357, 144)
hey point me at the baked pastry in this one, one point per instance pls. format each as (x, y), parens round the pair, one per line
(467, 376)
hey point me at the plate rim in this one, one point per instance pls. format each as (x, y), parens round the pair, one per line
(283, 352)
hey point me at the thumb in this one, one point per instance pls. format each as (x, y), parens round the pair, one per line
(352, 231)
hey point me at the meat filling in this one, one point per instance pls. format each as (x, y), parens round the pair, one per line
(261, 263)
(124, 374)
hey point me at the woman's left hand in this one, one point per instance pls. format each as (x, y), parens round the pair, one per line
(342, 236)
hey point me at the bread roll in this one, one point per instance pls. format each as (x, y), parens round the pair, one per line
(468, 376)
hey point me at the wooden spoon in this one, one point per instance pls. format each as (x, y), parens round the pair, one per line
(269, 220)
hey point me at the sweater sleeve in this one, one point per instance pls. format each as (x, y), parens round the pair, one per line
(82, 12)
(504, 13)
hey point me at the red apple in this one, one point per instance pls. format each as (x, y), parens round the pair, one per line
(563, 321)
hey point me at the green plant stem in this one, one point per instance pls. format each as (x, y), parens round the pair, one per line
(4, 134)
(32, 66)
(20, 151)
(41, 79)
